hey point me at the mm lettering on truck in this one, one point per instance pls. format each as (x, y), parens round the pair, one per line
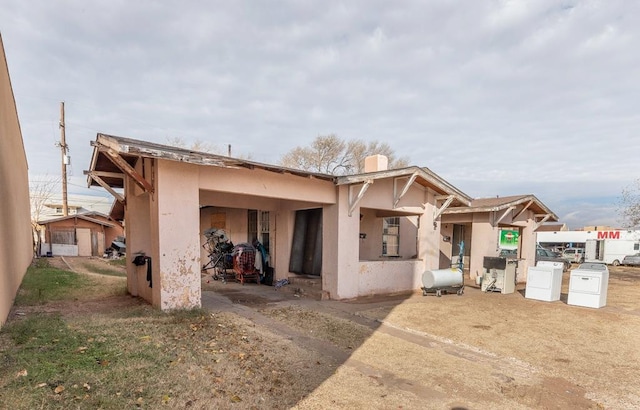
(608, 234)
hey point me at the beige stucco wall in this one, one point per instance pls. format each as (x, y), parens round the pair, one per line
(178, 235)
(16, 243)
(138, 234)
(484, 240)
(355, 258)
(105, 234)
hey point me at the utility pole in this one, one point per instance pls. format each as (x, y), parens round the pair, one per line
(65, 160)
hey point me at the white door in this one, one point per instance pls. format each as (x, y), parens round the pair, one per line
(83, 236)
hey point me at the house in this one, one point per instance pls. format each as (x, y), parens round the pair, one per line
(80, 234)
(371, 233)
(480, 225)
(76, 204)
(16, 243)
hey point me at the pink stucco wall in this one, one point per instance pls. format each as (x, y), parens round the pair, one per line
(16, 242)
(178, 235)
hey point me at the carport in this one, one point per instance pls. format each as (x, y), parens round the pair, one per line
(171, 195)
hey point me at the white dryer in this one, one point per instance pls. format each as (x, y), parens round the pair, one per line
(588, 285)
(544, 281)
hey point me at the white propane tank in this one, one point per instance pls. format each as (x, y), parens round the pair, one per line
(441, 278)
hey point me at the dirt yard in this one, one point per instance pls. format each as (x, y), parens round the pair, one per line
(478, 350)
(475, 351)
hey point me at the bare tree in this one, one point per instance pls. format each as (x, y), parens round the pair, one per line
(197, 145)
(332, 155)
(630, 205)
(40, 192)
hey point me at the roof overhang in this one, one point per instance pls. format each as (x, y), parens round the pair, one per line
(115, 158)
(418, 175)
(78, 216)
(518, 204)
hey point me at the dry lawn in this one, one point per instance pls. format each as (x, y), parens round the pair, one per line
(255, 348)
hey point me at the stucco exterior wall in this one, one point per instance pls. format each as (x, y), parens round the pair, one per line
(16, 242)
(358, 276)
(484, 242)
(178, 235)
(139, 230)
(340, 264)
(393, 276)
(258, 183)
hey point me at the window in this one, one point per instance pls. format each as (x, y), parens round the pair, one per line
(258, 227)
(391, 236)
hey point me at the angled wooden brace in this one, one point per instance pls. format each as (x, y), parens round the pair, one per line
(544, 219)
(106, 186)
(353, 202)
(504, 214)
(128, 169)
(407, 185)
(523, 209)
(444, 206)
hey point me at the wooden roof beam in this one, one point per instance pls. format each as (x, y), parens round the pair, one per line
(124, 166)
(544, 219)
(407, 185)
(444, 206)
(106, 186)
(520, 212)
(504, 214)
(105, 174)
(353, 202)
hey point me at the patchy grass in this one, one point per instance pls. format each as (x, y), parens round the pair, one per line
(43, 283)
(121, 262)
(134, 356)
(104, 270)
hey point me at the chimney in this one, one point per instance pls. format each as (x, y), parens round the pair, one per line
(375, 163)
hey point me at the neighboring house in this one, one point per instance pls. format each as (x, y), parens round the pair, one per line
(16, 242)
(85, 234)
(76, 204)
(481, 223)
(371, 233)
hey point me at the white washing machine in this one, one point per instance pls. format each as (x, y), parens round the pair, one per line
(544, 281)
(588, 285)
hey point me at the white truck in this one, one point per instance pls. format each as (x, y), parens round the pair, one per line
(610, 246)
(610, 250)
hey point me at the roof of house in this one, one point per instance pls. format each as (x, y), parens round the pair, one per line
(423, 176)
(91, 203)
(503, 203)
(89, 216)
(112, 153)
(552, 228)
(113, 156)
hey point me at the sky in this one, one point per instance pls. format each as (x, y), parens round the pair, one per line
(497, 97)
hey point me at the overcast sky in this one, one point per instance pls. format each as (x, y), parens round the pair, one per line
(497, 97)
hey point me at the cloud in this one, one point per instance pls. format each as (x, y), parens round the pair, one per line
(498, 97)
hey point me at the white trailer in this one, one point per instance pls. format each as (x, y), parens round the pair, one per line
(608, 247)
(610, 251)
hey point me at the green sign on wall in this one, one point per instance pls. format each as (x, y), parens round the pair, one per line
(509, 238)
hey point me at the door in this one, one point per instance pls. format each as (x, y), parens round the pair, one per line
(306, 247)
(83, 235)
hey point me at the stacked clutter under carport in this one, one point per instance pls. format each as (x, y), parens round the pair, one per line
(499, 275)
(544, 281)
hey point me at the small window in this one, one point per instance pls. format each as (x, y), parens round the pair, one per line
(391, 236)
(636, 246)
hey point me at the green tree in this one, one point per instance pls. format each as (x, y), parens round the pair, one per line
(329, 154)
